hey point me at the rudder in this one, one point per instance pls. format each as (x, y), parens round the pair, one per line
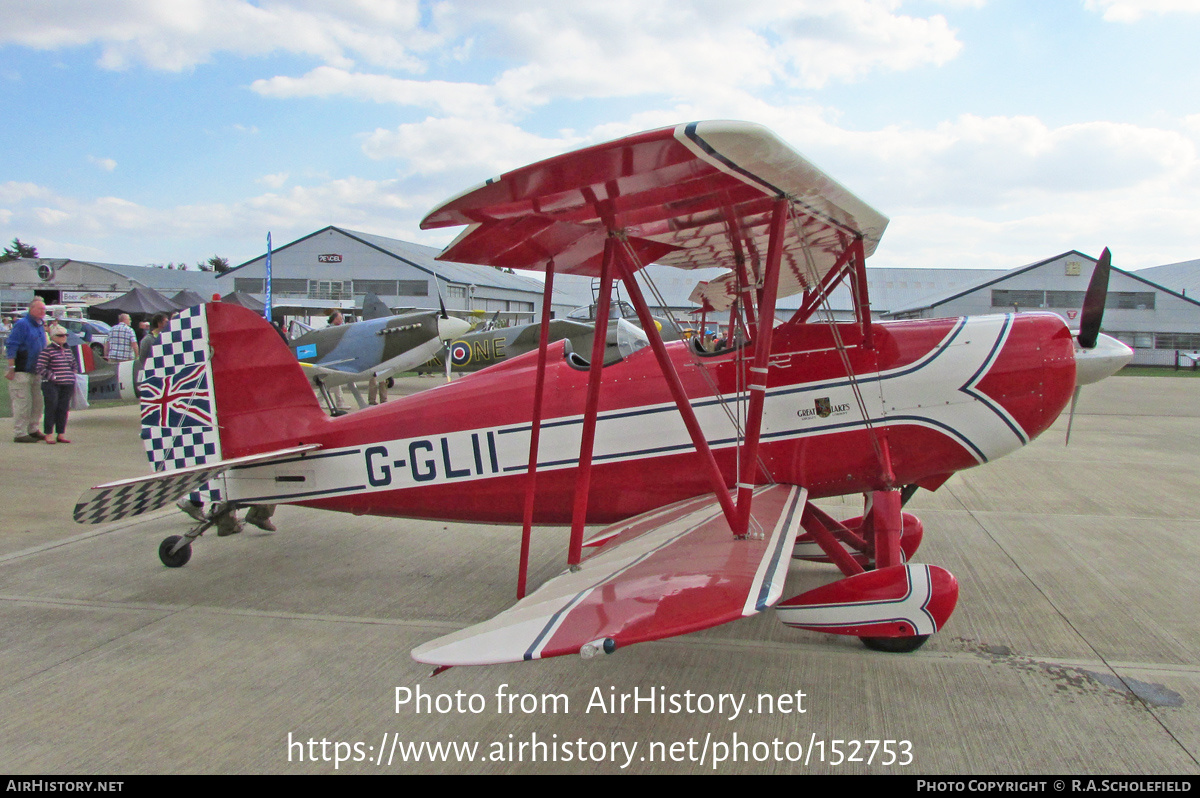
(219, 384)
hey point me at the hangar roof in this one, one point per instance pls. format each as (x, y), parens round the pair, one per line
(1183, 277)
(423, 258)
(994, 278)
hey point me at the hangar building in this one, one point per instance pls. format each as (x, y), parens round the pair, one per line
(1156, 321)
(1152, 310)
(336, 267)
(67, 281)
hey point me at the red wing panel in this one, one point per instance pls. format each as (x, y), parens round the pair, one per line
(668, 572)
(702, 192)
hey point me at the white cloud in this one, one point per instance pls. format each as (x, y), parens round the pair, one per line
(544, 49)
(465, 99)
(1134, 10)
(441, 146)
(632, 47)
(274, 181)
(182, 33)
(995, 161)
(14, 193)
(107, 164)
(119, 230)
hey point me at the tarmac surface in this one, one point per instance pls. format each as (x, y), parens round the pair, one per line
(1075, 648)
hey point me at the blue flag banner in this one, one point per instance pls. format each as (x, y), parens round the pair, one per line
(267, 281)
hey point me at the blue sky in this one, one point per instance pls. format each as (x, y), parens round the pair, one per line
(992, 133)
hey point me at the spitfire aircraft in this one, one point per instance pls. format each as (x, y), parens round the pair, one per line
(704, 465)
(373, 349)
(108, 379)
(482, 348)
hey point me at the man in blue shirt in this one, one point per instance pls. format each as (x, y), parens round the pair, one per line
(25, 343)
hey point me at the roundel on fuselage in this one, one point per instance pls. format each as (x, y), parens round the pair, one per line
(460, 353)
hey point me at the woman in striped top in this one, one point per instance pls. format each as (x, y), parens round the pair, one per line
(56, 365)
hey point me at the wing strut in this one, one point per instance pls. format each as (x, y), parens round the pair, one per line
(852, 258)
(535, 431)
(595, 376)
(626, 266)
(758, 371)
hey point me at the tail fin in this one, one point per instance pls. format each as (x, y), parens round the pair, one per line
(374, 308)
(221, 384)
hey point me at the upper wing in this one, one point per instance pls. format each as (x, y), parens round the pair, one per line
(674, 570)
(692, 196)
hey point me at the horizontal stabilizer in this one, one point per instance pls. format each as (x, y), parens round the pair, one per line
(668, 572)
(113, 501)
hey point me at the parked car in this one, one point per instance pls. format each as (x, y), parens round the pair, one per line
(93, 331)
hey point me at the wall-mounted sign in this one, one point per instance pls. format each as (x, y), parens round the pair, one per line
(329, 259)
(87, 297)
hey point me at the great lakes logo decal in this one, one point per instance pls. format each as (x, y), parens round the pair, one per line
(823, 408)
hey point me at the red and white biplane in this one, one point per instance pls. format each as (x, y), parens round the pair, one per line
(703, 463)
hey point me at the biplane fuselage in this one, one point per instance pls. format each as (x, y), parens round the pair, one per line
(945, 394)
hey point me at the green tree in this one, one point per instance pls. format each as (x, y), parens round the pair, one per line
(219, 264)
(19, 250)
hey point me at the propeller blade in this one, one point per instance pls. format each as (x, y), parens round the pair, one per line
(1093, 302)
(441, 301)
(1071, 416)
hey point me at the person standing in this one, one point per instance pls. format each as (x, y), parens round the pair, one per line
(25, 343)
(151, 338)
(122, 341)
(56, 366)
(336, 319)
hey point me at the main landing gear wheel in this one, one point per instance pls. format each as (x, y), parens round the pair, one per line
(895, 645)
(179, 558)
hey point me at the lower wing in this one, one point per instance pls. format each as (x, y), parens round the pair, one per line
(668, 572)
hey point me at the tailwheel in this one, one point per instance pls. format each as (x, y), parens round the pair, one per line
(895, 645)
(172, 554)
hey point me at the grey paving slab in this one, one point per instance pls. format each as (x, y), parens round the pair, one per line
(1073, 649)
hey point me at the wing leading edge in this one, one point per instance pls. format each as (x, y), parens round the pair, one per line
(668, 572)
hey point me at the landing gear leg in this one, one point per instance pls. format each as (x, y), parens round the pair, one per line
(886, 601)
(176, 550)
(334, 410)
(883, 514)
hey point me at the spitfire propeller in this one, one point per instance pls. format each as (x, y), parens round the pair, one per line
(1096, 355)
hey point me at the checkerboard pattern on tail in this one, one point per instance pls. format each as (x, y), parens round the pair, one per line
(179, 423)
(105, 504)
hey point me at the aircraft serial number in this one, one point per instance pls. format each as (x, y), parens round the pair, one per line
(426, 460)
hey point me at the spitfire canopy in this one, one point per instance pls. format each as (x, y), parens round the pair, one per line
(693, 196)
